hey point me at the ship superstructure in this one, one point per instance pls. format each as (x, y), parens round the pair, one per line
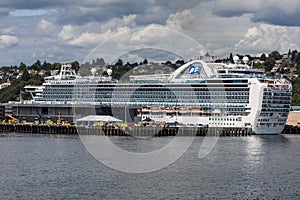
(196, 94)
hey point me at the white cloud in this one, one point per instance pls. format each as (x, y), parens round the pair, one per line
(67, 33)
(8, 30)
(91, 39)
(115, 23)
(91, 34)
(223, 52)
(152, 38)
(131, 58)
(217, 34)
(221, 26)
(8, 41)
(181, 20)
(4, 11)
(266, 38)
(45, 27)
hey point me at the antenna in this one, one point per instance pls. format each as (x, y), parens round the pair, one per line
(245, 60)
(109, 72)
(93, 71)
(236, 59)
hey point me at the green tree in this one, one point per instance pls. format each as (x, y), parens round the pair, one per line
(145, 62)
(22, 67)
(296, 92)
(231, 58)
(259, 65)
(56, 66)
(263, 57)
(179, 63)
(297, 58)
(75, 65)
(269, 63)
(25, 76)
(294, 53)
(298, 69)
(286, 67)
(100, 62)
(119, 62)
(169, 63)
(46, 66)
(276, 55)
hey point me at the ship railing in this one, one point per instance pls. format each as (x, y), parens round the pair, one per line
(160, 77)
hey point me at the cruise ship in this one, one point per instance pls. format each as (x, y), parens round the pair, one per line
(196, 94)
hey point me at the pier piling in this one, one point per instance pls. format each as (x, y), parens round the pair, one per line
(136, 131)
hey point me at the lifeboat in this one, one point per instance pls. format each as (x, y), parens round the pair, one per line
(145, 109)
(197, 110)
(183, 109)
(155, 109)
(169, 109)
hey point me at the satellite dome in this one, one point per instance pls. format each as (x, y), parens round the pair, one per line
(235, 59)
(93, 71)
(109, 72)
(245, 59)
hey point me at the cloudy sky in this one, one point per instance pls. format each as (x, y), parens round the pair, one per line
(67, 30)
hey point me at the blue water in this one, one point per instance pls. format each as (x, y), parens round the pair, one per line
(59, 167)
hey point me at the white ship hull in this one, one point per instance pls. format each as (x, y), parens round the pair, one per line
(196, 94)
(263, 130)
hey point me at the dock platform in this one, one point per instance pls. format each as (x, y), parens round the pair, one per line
(135, 131)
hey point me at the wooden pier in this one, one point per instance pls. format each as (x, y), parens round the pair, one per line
(37, 129)
(135, 131)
